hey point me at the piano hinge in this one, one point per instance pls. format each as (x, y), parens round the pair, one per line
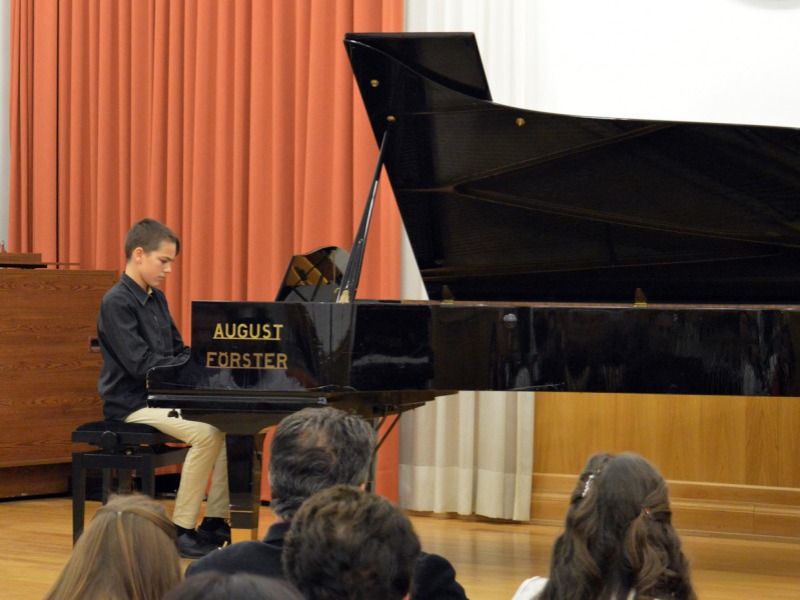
(639, 299)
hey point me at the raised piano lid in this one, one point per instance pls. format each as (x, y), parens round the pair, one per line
(502, 203)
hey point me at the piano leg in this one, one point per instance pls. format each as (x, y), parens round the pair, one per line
(377, 423)
(244, 480)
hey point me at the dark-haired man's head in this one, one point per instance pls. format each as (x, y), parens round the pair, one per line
(314, 449)
(345, 543)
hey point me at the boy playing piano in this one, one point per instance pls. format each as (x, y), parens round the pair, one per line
(136, 333)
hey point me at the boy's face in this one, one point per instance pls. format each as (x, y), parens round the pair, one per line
(151, 268)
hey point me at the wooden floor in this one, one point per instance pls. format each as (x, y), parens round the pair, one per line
(491, 559)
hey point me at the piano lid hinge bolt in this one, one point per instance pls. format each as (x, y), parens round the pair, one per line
(374, 82)
(391, 118)
(639, 299)
(520, 122)
(447, 295)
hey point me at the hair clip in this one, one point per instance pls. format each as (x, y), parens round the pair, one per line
(646, 510)
(587, 486)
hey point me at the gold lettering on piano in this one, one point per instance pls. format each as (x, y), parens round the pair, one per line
(246, 360)
(248, 331)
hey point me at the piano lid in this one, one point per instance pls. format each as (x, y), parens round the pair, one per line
(502, 203)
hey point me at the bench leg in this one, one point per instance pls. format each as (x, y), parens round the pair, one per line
(108, 481)
(147, 472)
(78, 495)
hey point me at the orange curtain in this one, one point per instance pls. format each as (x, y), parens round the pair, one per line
(237, 123)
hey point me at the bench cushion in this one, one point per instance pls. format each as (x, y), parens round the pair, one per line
(118, 434)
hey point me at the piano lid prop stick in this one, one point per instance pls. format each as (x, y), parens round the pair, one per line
(352, 273)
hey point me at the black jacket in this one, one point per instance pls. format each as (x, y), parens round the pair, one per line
(434, 576)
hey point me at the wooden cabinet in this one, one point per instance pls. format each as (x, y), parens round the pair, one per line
(49, 365)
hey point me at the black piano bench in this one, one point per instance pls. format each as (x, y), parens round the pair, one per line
(123, 448)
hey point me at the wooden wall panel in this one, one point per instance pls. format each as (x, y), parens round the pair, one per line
(789, 442)
(732, 461)
(48, 372)
(761, 449)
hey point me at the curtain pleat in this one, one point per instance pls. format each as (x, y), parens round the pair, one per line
(236, 123)
(33, 129)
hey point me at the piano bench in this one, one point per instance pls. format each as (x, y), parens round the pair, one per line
(123, 448)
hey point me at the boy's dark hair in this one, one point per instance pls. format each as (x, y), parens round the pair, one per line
(618, 536)
(314, 449)
(347, 543)
(149, 234)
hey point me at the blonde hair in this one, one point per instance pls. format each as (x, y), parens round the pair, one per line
(127, 552)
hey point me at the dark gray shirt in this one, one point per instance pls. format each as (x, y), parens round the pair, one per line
(136, 333)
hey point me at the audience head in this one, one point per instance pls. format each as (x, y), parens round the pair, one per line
(213, 585)
(618, 536)
(314, 449)
(345, 543)
(127, 552)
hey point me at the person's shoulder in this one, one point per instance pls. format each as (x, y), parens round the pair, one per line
(118, 297)
(427, 560)
(249, 556)
(115, 290)
(435, 578)
(530, 588)
(119, 292)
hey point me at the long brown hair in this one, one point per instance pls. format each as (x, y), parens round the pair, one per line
(127, 552)
(618, 536)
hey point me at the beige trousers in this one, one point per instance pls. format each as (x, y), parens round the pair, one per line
(207, 454)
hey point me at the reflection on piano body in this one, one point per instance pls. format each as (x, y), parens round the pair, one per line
(560, 253)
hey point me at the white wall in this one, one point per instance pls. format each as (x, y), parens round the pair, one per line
(703, 60)
(709, 60)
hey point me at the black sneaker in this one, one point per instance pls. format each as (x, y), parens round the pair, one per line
(215, 530)
(191, 546)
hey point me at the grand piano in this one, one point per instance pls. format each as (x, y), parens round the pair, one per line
(559, 252)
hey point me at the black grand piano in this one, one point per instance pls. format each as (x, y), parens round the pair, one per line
(559, 252)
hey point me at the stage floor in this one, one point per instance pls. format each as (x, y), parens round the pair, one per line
(491, 559)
